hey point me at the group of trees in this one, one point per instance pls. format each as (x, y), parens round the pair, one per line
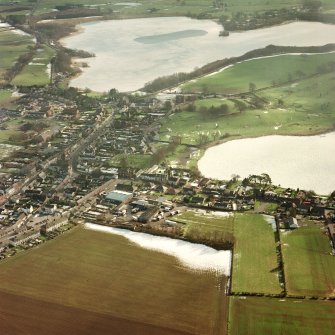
(37, 126)
(214, 239)
(162, 152)
(20, 63)
(214, 112)
(263, 179)
(178, 78)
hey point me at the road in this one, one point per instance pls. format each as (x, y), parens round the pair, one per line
(23, 224)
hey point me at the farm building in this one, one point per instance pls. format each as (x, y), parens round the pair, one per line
(118, 197)
(140, 204)
(148, 215)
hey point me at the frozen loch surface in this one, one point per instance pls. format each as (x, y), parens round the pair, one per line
(191, 255)
(304, 162)
(130, 53)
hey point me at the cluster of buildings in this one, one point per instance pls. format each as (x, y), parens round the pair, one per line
(75, 173)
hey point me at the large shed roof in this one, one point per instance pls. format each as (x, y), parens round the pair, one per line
(119, 196)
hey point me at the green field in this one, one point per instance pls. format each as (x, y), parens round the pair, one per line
(206, 225)
(263, 72)
(312, 99)
(6, 97)
(309, 265)
(215, 102)
(303, 108)
(164, 7)
(255, 267)
(265, 316)
(13, 45)
(137, 161)
(104, 273)
(37, 71)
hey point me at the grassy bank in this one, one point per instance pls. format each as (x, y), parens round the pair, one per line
(105, 274)
(263, 72)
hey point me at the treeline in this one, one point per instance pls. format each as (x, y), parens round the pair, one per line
(71, 12)
(177, 78)
(19, 64)
(242, 21)
(318, 17)
(62, 62)
(37, 126)
(55, 31)
(214, 112)
(160, 154)
(217, 240)
(78, 53)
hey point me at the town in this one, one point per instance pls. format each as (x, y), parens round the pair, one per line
(79, 170)
(166, 167)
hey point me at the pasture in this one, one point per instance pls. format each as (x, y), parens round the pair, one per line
(6, 98)
(262, 72)
(264, 316)
(13, 45)
(146, 7)
(309, 265)
(303, 108)
(138, 161)
(255, 267)
(106, 275)
(164, 7)
(37, 72)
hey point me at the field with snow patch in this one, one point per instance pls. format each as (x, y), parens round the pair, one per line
(112, 278)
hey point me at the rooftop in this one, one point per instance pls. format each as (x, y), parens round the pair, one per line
(118, 196)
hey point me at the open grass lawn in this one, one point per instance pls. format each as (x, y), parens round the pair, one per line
(5, 136)
(11, 135)
(215, 103)
(5, 97)
(313, 98)
(90, 271)
(255, 260)
(265, 316)
(139, 161)
(37, 71)
(307, 108)
(13, 46)
(205, 224)
(263, 72)
(250, 123)
(309, 266)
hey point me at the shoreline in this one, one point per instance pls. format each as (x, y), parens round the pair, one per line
(77, 25)
(78, 30)
(220, 142)
(209, 145)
